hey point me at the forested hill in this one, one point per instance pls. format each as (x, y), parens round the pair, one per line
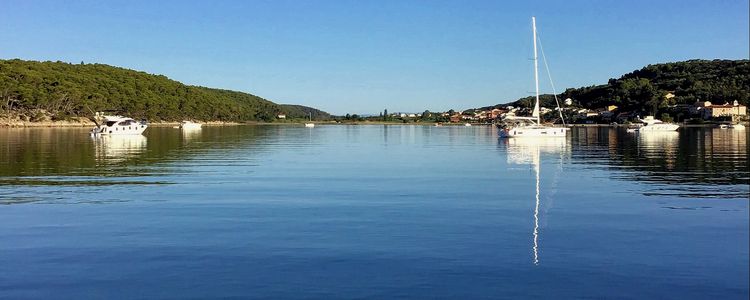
(718, 81)
(63, 90)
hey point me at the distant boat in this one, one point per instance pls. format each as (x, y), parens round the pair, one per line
(651, 124)
(467, 125)
(310, 124)
(731, 126)
(531, 126)
(189, 125)
(118, 125)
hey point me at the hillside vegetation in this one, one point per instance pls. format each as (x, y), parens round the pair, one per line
(644, 90)
(63, 90)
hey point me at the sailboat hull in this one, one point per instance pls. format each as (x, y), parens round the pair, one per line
(534, 131)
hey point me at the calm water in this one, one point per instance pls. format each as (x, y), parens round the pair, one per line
(373, 212)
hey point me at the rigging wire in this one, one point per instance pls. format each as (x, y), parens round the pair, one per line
(549, 75)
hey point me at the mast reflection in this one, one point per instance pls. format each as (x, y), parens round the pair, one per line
(528, 151)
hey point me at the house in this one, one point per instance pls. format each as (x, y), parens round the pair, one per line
(456, 118)
(725, 110)
(624, 117)
(496, 113)
(281, 116)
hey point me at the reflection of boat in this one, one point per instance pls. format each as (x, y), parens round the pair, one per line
(528, 151)
(661, 144)
(532, 126)
(659, 139)
(119, 125)
(191, 134)
(651, 124)
(119, 147)
(189, 125)
(731, 126)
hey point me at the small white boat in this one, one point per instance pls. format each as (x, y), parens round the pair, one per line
(310, 124)
(467, 125)
(119, 125)
(189, 125)
(731, 126)
(651, 124)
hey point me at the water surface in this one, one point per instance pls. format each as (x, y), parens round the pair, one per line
(373, 212)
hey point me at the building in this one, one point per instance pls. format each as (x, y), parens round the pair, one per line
(725, 110)
(496, 113)
(281, 116)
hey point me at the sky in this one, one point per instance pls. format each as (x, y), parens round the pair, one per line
(362, 56)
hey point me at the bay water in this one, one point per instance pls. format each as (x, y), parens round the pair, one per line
(373, 211)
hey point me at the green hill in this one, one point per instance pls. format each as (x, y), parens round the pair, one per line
(644, 90)
(294, 111)
(64, 90)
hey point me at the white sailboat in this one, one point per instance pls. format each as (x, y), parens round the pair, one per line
(310, 124)
(532, 126)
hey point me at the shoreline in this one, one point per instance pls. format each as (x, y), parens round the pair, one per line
(85, 122)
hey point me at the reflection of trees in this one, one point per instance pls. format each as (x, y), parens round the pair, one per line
(695, 156)
(72, 152)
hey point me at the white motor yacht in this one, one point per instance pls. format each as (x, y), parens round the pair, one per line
(650, 124)
(189, 125)
(119, 125)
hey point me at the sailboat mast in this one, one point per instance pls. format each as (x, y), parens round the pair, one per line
(536, 74)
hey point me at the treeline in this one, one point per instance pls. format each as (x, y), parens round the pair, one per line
(294, 111)
(64, 90)
(644, 90)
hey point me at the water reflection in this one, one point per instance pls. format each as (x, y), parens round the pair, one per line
(528, 151)
(660, 145)
(693, 162)
(191, 134)
(118, 148)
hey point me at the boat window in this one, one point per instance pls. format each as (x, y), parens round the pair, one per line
(124, 123)
(111, 123)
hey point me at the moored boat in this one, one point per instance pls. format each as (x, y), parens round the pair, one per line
(532, 126)
(119, 125)
(189, 125)
(651, 124)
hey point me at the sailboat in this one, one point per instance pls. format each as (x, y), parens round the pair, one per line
(531, 126)
(310, 124)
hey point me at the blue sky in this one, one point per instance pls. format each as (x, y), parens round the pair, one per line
(365, 56)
